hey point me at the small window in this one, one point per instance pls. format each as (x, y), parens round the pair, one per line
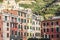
(15, 32)
(0, 29)
(45, 36)
(33, 23)
(12, 17)
(7, 34)
(30, 34)
(24, 20)
(19, 13)
(30, 27)
(57, 29)
(19, 33)
(52, 36)
(7, 24)
(25, 34)
(27, 21)
(25, 15)
(47, 30)
(19, 26)
(37, 34)
(51, 23)
(5, 17)
(15, 19)
(0, 17)
(33, 28)
(44, 24)
(57, 35)
(56, 23)
(47, 24)
(12, 32)
(7, 29)
(24, 27)
(27, 27)
(52, 29)
(44, 30)
(19, 19)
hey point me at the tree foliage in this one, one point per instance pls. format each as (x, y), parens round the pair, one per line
(43, 7)
(1, 0)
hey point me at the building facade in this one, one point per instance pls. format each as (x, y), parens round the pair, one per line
(16, 23)
(26, 1)
(19, 24)
(51, 29)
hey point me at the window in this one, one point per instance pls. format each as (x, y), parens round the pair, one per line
(57, 29)
(7, 29)
(57, 36)
(30, 27)
(5, 18)
(24, 14)
(12, 18)
(0, 17)
(19, 33)
(47, 24)
(24, 27)
(44, 30)
(7, 34)
(52, 29)
(27, 21)
(49, 36)
(12, 32)
(33, 35)
(33, 28)
(52, 36)
(56, 23)
(15, 32)
(51, 23)
(19, 19)
(27, 27)
(15, 25)
(30, 34)
(15, 19)
(0, 29)
(7, 24)
(25, 34)
(19, 26)
(44, 24)
(33, 23)
(45, 36)
(37, 34)
(37, 28)
(47, 30)
(24, 20)
(19, 13)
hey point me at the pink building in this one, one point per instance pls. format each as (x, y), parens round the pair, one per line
(51, 29)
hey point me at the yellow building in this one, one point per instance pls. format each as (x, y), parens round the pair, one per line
(48, 16)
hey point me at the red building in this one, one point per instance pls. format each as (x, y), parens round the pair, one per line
(51, 29)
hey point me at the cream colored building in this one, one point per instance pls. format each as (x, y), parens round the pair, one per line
(26, 1)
